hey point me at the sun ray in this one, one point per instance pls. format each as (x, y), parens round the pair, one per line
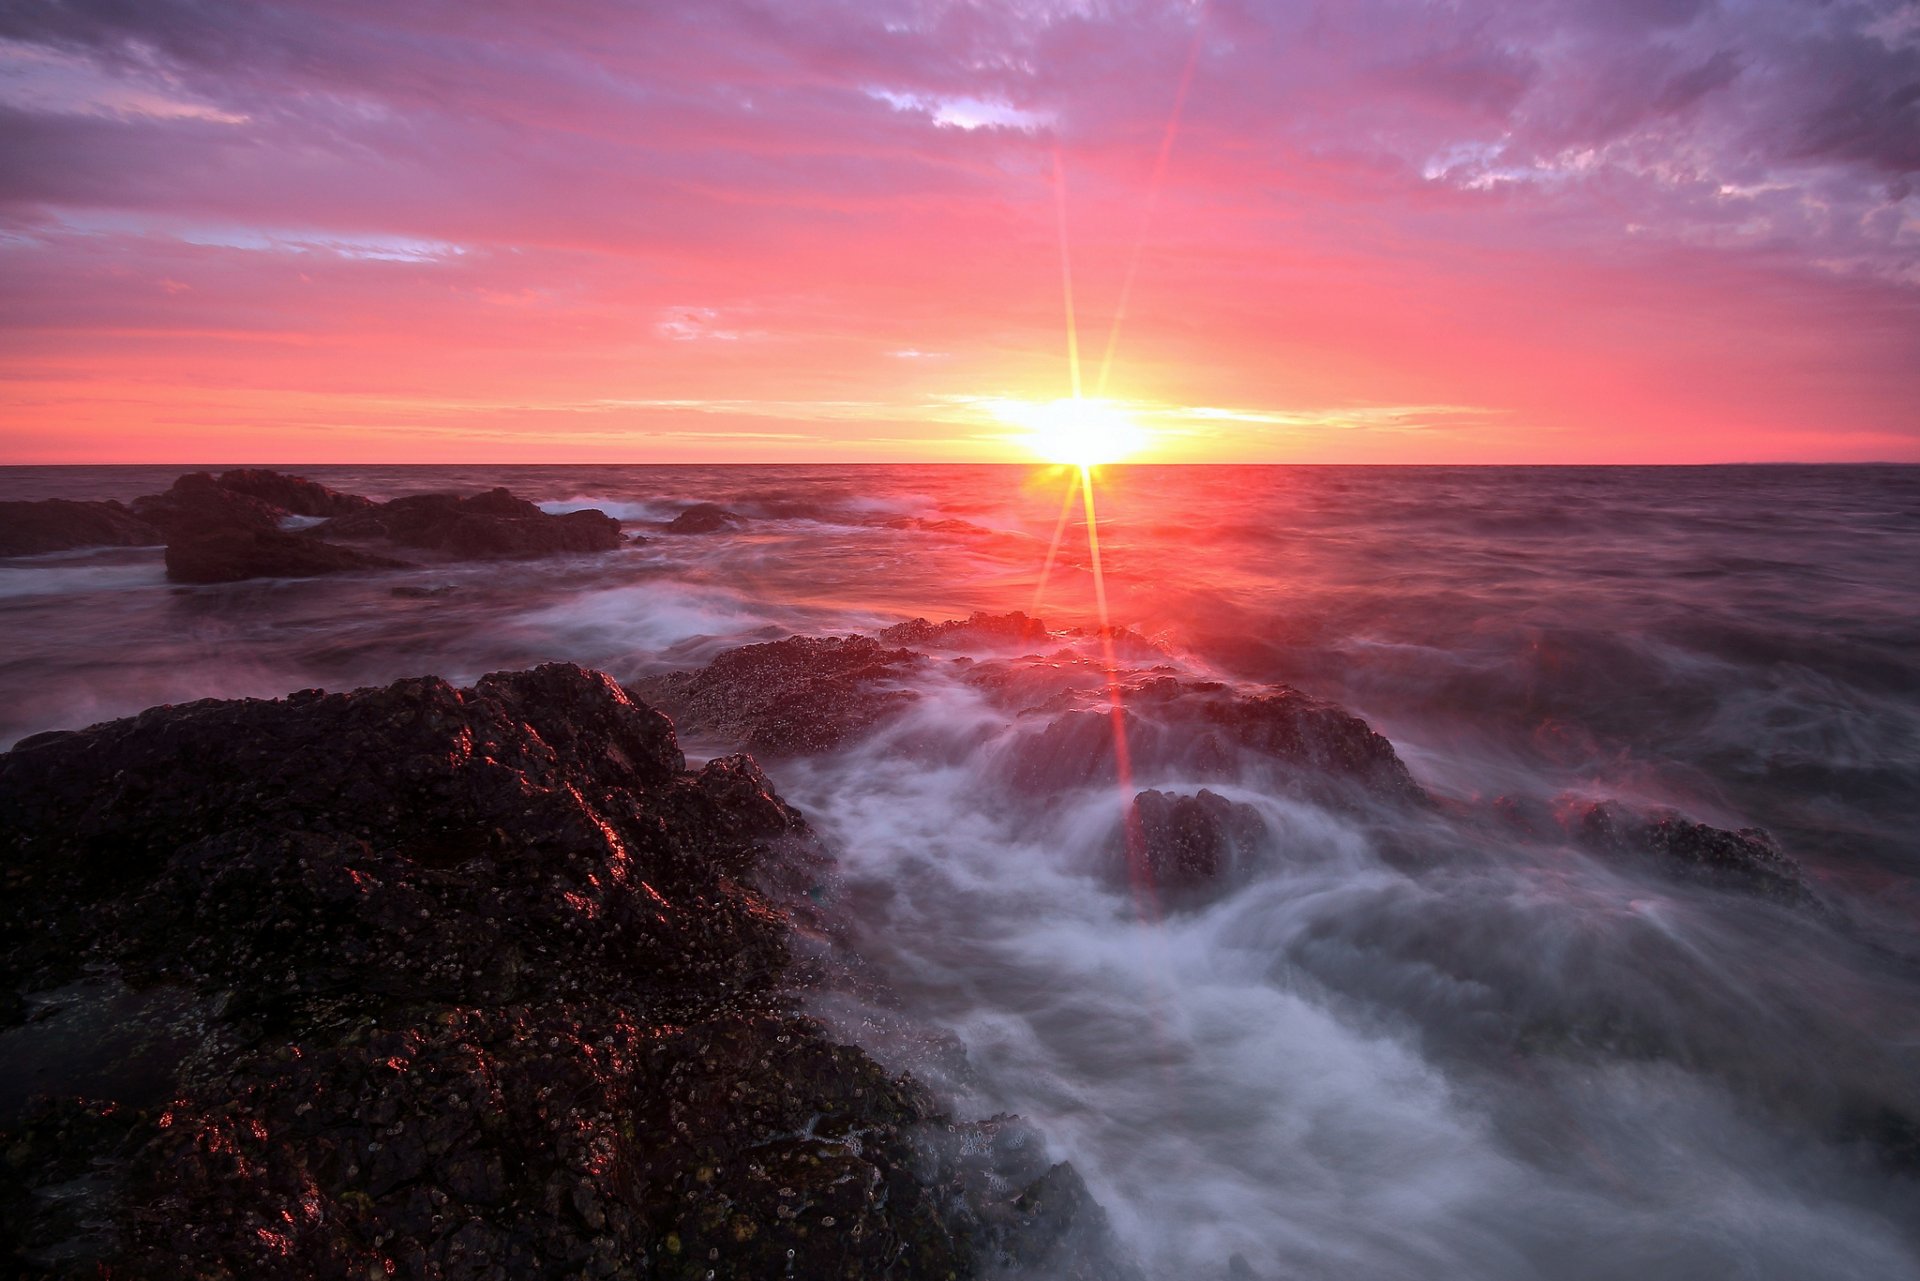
(1146, 898)
(1154, 186)
(1053, 548)
(1066, 272)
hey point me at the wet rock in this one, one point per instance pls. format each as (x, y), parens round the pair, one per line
(1127, 644)
(1206, 730)
(58, 524)
(948, 525)
(789, 698)
(493, 525)
(198, 502)
(977, 630)
(704, 518)
(1747, 859)
(230, 554)
(1187, 847)
(476, 983)
(295, 495)
(1062, 1230)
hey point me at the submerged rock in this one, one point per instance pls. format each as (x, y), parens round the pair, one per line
(233, 553)
(59, 524)
(704, 518)
(1203, 729)
(1187, 847)
(493, 525)
(1747, 859)
(978, 629)
(793, 697)
(444, 983)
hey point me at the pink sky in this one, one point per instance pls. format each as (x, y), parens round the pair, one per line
(813, 230)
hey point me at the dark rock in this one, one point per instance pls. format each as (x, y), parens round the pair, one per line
(198, 502)
(789, 698)
(945, 526)
(1188, 847)
(493, 525)
(1126, 644)
(58, 524)
(477, 983)
(979, 629)
(295, 495)
(226, 555)
(1747, 859)
(704, 518)
(1205, 730)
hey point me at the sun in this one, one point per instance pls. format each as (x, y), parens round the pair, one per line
(1080, 432)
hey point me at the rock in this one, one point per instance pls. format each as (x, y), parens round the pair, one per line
(226, 555)
(1205, 730)
(704, 518)
(199, 502)
(1187, 847)
(59, 524)
(789, 698)
(493, 525)
(295, 495)
(979, 629)
(476, 983)
(1747, 859)
(944, 526)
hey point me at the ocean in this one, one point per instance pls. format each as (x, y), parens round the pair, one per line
(1428, 1042)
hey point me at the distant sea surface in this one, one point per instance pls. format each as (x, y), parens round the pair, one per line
(1508, 1059)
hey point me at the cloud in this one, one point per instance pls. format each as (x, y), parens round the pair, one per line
(1534, 208)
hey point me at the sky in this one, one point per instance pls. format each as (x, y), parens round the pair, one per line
(1398, 231)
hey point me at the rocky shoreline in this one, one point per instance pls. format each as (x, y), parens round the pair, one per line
(430, 982)
(254, 523)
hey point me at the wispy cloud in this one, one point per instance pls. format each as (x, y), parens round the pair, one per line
(1669, 228)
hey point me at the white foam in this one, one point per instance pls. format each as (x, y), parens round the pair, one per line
(62, 576)
(1277, 1074)
(619, 508)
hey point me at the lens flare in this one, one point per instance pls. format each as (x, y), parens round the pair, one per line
(1079, 432)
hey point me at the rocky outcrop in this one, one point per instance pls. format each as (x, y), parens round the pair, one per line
(493, 525)
(1746, 860)
(788, 698)
(1187, 848)
(59, 524)
(805, 695)
(198, 501)
(447, 983)
(295, 495)
(980, 629)
(1206, 730)
(226, 528)
(233, 553)
(704, 518)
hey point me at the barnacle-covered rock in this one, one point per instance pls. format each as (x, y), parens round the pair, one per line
(792, 697)
(435, 982)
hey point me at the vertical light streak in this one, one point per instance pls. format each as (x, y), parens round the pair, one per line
(1146, 901)
(1066, 272)
(1053, 548)
(1153, 202)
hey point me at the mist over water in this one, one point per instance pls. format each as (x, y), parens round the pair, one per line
(1398, 1042)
